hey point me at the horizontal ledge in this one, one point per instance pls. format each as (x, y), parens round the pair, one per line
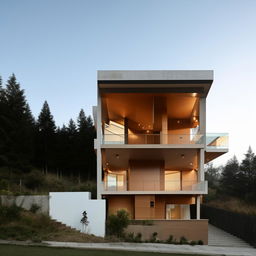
(152, 146)
(201, 192)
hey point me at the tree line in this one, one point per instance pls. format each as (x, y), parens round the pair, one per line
(27, 143)
(234, 178)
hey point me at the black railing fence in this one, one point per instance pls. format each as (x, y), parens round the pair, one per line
(237, 224)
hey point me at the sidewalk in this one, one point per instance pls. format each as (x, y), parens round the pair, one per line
(148, 247)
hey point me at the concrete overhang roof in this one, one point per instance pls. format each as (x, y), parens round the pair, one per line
(198, 81)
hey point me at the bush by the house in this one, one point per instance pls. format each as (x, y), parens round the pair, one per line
(116, 223)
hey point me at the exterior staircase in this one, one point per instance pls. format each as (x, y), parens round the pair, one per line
(64, 226)
(219, 237)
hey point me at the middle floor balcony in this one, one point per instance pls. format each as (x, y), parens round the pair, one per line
(169, 182)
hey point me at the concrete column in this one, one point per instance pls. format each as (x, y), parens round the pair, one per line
(198, 207)
(202, 116)
(164, 132)
(202, 131)
(99, 142)
(201, 165)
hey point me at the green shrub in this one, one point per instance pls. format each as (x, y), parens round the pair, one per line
(200, 242)
(129, 237)
(3, 184)
(137, 238)
(153, 238)
(34, 208)
(170, 239)
(183, 240)
(117, 223)
(193, 243)
(9, 213)
(34, 180)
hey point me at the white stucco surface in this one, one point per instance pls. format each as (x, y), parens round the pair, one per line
(67, 207)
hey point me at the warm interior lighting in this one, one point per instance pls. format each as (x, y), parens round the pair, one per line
(182, 156)
(117, 156)
(147, 131)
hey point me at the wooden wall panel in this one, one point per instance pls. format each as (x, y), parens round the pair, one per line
(145, 175)
(142, 207)
(116, 203)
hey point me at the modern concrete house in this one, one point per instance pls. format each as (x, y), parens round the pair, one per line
(152, 146)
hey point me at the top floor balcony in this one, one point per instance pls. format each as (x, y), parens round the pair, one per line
(211, 140)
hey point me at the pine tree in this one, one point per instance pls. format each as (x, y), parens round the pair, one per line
(46, 131)
(19, 126)
(212, 175)
(82, 121)
(72, 130)
(45, 121)
(229, 177)
(3, 135)
(86, 156)
(247, 176)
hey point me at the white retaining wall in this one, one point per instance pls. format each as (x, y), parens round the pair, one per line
(27, 201)
(67, 207)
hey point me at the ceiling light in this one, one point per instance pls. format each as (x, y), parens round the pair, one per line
(117, 156)
(182, 156)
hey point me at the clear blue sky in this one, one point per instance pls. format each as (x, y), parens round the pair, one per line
(55, 48)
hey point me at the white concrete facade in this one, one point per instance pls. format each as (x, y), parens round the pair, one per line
(67, 207)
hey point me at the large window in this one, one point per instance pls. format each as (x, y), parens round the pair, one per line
(115, 181)
(177, 211)
(172, 180)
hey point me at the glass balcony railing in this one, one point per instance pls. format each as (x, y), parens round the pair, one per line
(217, 140)
(212, 140)
(156, 186)
(152, 139)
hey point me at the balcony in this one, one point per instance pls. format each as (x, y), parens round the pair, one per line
(153, 139)
(169, 187)
(213, 140)
(217, 141)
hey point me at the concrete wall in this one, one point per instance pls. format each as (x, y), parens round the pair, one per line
(191, 229)
(67, 207)
(27, 201)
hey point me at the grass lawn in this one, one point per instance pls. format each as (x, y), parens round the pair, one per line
(21, 250)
